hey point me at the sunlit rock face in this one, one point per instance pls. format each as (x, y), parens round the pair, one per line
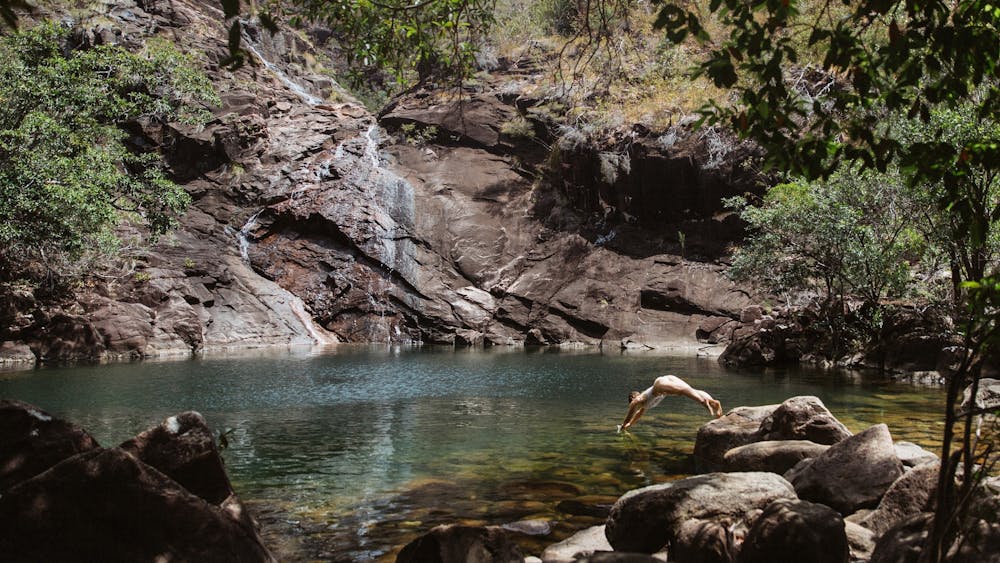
(315, 221)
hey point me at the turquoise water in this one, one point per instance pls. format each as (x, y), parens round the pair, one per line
(349, 453)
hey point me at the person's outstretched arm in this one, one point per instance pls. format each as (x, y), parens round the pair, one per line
(634, 413)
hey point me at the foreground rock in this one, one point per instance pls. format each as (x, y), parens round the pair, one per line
(852, 474)
(183, 448)
(775, 456)
(32, 440)
(462, 544)
(645, 520)
(911, 494)
(703, 541)
(803, 418)
(163, 495)
(738, 427)
(105, 505)
(978, 540)
(796, 530)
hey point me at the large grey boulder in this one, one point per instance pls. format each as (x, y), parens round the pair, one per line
(775, 456)
(454, 543)
(737, 428)
(32, 440)
(647, 519)
(852, 474)
(913, 455)
(796, 530)
(803, 418)
(910, 494)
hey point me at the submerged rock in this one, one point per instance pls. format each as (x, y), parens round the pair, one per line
(462, 544)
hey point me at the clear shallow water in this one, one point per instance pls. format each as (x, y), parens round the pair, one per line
(351, 453)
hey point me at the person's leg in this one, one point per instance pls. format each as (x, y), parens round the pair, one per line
(713, 406)
(673, 385)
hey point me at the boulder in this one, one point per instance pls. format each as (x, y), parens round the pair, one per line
(854, 473)
(737, 428)
(796, 530)
(910, 494)
(775, 456)
(913, 455)
(860, 540)
(106, 505)
(647, 519)
(904, 542)
(979, 541)
(16, 353)
(703, 541)
(183, 448)
(987, 396)
(454, 543)
(32, 440)
(803, 418)
(582, 543)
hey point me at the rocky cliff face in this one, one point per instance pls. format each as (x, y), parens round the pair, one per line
(314, 221)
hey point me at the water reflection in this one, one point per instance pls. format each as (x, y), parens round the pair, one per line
(349, 453)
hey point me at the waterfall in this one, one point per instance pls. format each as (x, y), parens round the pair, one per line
(280, 75)
(244, 236)
(389, 212)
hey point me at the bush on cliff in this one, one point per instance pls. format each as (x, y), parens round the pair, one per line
(69, 177)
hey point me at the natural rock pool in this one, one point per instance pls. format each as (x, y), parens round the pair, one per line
(349, 453)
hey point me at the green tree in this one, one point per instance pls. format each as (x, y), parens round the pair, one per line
(433, 37)
(880, 58)
(967, 229)
(850, 235)
(67, 178)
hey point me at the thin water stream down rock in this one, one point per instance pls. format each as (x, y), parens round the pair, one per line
(313, 221)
